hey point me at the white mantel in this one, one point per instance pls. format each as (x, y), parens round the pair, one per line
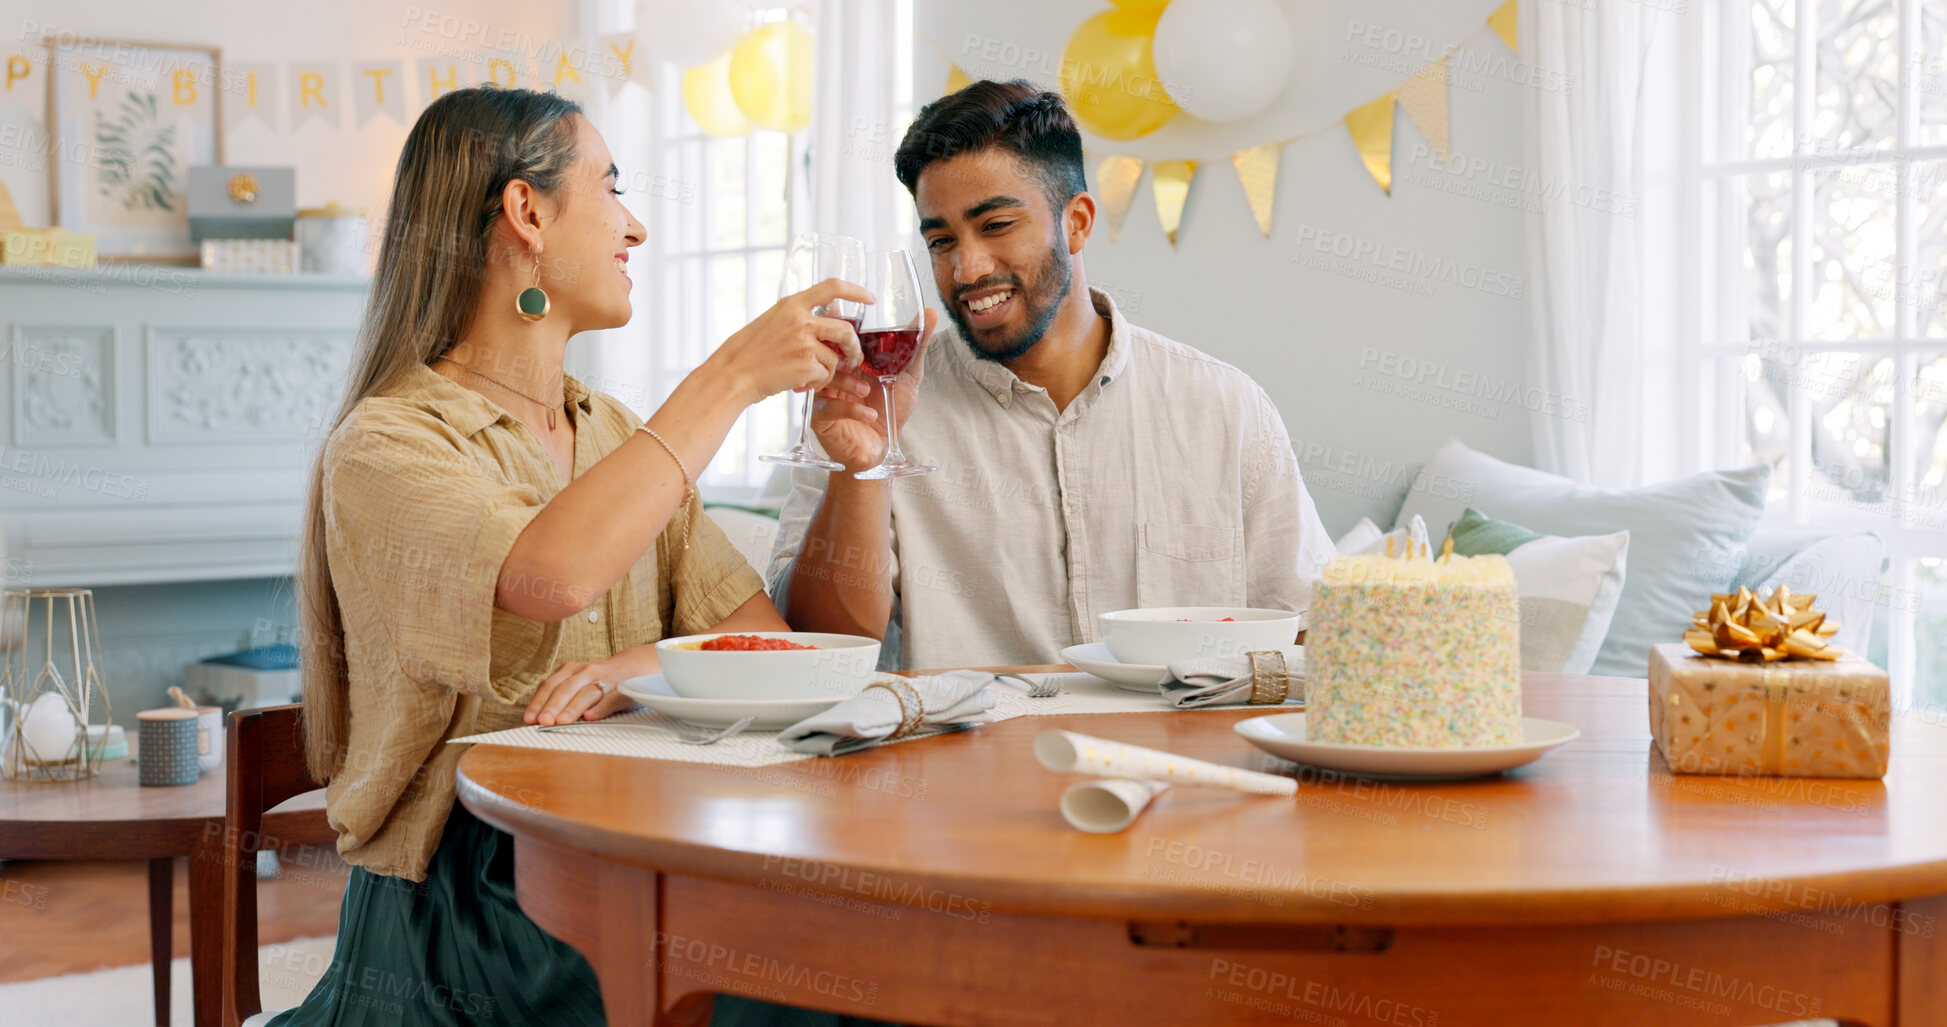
(160, 420)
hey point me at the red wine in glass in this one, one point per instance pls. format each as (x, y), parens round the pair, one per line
(853, 321)
(888, 350)
(888, 342)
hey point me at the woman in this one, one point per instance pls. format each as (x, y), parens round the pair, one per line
(488, 543)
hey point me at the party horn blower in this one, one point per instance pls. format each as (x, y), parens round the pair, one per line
(1069, 753)
(1107, 806)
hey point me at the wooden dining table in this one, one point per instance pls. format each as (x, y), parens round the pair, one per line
(110, 816)
(934, 882)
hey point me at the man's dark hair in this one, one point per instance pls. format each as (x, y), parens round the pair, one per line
(1033, 125)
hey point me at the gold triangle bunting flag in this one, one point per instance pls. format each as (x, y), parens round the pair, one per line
(956, 79)
(1257, 169)
(1171, 181)
(1505, 22)
(1372, 133)
(1424, 99)
(1115, 182)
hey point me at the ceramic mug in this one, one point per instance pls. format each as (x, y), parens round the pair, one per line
(209, 738)
(168, 746)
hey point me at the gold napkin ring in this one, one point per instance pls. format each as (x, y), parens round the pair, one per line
(911, 710)
(1270, 680)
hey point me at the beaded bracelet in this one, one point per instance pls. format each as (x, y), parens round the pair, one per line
(689, 490)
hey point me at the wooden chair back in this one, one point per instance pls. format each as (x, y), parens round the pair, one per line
(266, 767)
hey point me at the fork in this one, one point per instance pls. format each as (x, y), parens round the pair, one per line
(688, 734)
(1036, 689)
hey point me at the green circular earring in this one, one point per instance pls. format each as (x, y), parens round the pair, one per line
(532, 303)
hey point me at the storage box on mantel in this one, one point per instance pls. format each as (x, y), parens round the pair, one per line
(1791, 718)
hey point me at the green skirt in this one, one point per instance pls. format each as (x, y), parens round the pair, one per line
(456, 949)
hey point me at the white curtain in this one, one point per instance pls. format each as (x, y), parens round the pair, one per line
(1584, 250)
(842, 180)
(854, 121)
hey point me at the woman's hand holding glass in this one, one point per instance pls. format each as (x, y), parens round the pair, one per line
(791, 347)
(848, 418)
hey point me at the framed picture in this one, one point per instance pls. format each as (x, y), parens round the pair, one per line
(125, 121)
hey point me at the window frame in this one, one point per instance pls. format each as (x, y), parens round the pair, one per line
(1716, 49)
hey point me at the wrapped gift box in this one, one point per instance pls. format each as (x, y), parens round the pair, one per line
(231, 202)
(44, 247)
(251, 256)
(1790, 718)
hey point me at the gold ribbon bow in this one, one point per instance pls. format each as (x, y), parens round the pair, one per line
(1782, 627)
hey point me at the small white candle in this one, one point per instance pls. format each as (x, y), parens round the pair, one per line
(50, 730)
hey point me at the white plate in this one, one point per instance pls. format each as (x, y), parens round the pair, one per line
(772, 714)
(1095, 658)
(1283, 734)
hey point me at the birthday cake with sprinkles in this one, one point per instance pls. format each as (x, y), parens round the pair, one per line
(1414, 652)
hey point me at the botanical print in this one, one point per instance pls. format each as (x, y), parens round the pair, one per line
(130, 120)
(138, 162)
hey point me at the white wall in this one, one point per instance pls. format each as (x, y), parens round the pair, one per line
(352, 166)
(1299, 330)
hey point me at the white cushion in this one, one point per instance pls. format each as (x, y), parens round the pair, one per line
(1360, 539)
(1365, 537)
(1569, 590)
(1842, 569)
(260, 1019)
(1686, 537)
(751, 533)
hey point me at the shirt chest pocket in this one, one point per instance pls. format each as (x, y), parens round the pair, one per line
(1189, 565)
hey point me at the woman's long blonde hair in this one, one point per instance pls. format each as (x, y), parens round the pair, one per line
(458, 158)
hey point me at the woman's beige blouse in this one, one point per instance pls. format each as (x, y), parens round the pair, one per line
(426, 486)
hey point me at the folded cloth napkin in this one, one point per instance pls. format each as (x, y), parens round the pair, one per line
(894, 707)
(1262, 677)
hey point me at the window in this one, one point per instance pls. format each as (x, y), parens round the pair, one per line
(1821, 293)
(720, 213)
(718, 260)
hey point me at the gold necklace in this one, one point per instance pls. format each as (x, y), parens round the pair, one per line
(537, 402)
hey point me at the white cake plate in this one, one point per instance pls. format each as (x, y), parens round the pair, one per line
(1283, 734)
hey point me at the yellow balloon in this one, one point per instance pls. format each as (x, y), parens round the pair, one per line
(1109, 77)
(770, 75)
(706, 95)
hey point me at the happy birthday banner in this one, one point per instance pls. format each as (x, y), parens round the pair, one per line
(1423, 96)
(323, 90)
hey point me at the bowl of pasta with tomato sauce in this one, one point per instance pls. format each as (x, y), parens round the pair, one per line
(768, 664)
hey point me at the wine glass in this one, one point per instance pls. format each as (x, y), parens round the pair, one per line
(889, 336)
(812, 258)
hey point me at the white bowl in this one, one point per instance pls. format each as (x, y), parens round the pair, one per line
(1170, 634)
(840, 666)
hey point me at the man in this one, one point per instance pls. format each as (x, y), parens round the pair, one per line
(1085, 464)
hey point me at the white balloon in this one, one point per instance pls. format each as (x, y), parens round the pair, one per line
(687, 33)
(1223, 60)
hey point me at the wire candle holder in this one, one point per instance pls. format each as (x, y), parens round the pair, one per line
(48, 739)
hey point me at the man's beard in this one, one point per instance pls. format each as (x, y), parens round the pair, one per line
(1051, 287)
